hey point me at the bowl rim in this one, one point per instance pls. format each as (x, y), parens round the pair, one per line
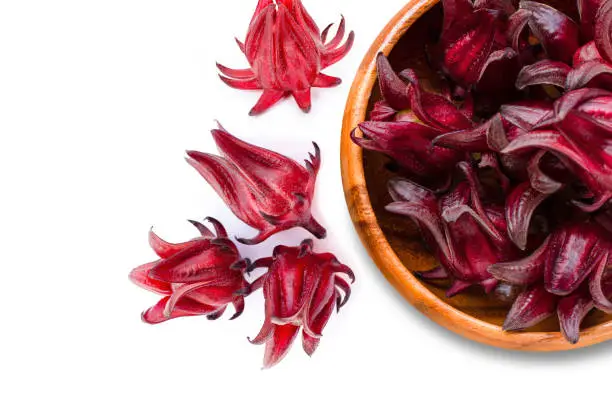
(379, 249)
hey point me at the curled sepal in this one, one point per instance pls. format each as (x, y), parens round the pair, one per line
(520, 206)
(392, 88)
(544, 72)
(279, 344)
(419, 204)
(558, 34)
(525, 271)
(601, 284)
(531, 307)
(538, 178)
(571, 311)
(588, 12)
(595, 70)
(603, 30)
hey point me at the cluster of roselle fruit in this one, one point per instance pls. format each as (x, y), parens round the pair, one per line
(266, 190)
(507, 169)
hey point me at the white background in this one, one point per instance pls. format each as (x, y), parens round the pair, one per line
(98, 101)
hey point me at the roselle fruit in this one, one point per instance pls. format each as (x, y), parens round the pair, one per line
(524, 111)
(467, 235)
(301, 290)
(197, 277)
(286, 53)
(264, 189)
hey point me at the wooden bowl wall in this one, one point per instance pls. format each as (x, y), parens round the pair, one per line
(392, 241)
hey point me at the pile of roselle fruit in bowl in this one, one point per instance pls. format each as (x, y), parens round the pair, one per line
(487, 157)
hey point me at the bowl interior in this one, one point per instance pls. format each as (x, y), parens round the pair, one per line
(400, 232)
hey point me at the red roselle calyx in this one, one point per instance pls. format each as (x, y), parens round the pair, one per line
(301, 289)
(467, 235)
(529, 124)
(286, 53)
(198, 277)
(264, 189)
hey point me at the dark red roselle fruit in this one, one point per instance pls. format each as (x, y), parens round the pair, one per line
(466, 234)
(301, 289)
(408, 120)
(198, 277)
(264, 189)
(286, 53)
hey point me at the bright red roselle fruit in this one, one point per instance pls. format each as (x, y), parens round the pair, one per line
(301, 289)
(264, 189)
(198, 277)
(286, 53)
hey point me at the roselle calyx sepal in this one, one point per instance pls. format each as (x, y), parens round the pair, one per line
(286, 53)
(301, 289)
(264, 189)
(198, 277)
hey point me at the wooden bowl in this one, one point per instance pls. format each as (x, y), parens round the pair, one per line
(393, 242)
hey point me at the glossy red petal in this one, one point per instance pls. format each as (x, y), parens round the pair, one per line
(601, 284)
(588, 11)
(526, 114)
(558, 34)
(203, 262)
(267, 99)
(392, 88)
(521, 204)
(166, 249)
(467, 45)
(140, 277)
(597, 71)
(530, 308)
(309, 343)
(433, 109)
(538, 178)
(523, 272)
(226, 180)
(325, 81)
(382, 111)
(544, 72)
(575, 251)
(279, 344)
(571, 311)
(185, 307)
(603, 30)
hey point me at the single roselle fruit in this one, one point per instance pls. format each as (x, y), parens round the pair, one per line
(420, 117)
(466, 234)
(473, 43)
(570, 273)
(301, 289)
(198, 277)
(264, 189)
(286, 54)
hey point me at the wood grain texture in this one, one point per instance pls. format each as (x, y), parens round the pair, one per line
(392, 241)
